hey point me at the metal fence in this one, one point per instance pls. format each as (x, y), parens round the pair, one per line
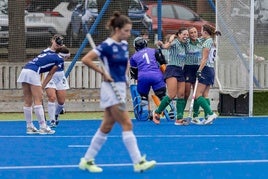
(83, 94)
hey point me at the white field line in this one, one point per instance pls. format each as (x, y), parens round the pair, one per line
(130, 164)
(141, 136)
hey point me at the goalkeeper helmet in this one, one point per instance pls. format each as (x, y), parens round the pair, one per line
(139, 43)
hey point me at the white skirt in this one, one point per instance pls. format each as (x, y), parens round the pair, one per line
(107, 95)
(58, 81)
(30, 77)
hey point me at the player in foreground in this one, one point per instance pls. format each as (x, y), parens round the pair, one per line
(33, 89)
(114, 53)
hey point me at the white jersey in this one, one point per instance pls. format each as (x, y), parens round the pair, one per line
(211, 56)
(212, 51)
(58, 81)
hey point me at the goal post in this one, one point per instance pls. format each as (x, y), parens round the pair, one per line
(235, 62)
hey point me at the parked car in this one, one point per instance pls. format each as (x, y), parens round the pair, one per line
(174, 16)
(3, 24)
(85, 14)
(37, 30)
(58, 13)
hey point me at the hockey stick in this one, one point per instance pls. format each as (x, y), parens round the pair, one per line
(189, 118)
(43, 104)
(84, 43)
(118, 96)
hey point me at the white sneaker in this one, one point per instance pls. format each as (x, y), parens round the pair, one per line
(89, 165)
(46, 130)
(53, 124)
(144, 165)
(197, 121)
(32, 130)
(210, 118)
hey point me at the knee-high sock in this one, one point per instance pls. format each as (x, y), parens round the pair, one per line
(39, 112)
(180, 104)
(130, 142)
(51, 110)
(164, 102)
(59, 108)
(195, 109)
(203, 103)
(208, 101)
(95, 145)
(28, 116)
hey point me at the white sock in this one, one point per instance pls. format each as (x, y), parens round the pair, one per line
(39, 112)
(51, 110)
(28, 116)
(130, 142)
(95, 145)
(59, 108)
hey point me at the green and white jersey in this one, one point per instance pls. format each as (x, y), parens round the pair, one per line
(209, 43)
(165, 52)
(194, 52)
(177, 53)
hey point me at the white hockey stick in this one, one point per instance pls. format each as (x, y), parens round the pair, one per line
(192, 102)
(121, 100)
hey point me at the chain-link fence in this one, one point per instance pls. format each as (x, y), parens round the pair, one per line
(22, 38)
(234, 45)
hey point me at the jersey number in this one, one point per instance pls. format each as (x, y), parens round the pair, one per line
(146, 57)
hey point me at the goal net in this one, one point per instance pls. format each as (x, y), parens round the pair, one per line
(233, 63)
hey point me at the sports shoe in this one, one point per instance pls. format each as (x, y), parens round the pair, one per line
(46, 130)
(53, 124)
(63, 111)
(196, 121)
(150, 115)
(210, 118)
(156, 118)
(181, 122)
(144, 165)
(89, 165)
(57, 119)
(171, 115)
(32, 130)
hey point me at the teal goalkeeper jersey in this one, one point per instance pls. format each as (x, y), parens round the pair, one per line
(194, 52)
(177, 53)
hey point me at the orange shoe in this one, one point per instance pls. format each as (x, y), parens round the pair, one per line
(156, 118)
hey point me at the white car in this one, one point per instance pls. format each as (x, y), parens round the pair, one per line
(3, 30)
(60, 17)
(57, 14)
(37, 30)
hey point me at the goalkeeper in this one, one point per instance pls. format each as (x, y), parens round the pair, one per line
(145, 68)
